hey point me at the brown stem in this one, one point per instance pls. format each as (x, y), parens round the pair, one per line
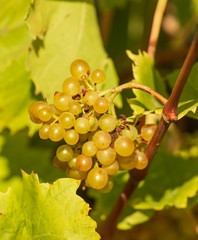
(155, 30)
(138, 175)
(135, 85)
(170, 108)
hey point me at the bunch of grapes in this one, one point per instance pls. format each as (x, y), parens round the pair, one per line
(95, 144)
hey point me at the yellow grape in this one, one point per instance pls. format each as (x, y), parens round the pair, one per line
(98, 76)
(124, 146)
(71, 86)
(62, 101)
(102, 139)
(44, 131)
(101, 105)
(80, 69)
(56, 132)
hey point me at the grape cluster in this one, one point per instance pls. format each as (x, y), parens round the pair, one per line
(96, 145)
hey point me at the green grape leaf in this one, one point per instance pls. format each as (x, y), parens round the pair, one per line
(63, 31)
(188, 101)
(171, 181)
(145, 73)
(45, 211)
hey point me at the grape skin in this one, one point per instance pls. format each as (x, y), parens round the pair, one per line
(97, 178)
(101, 105)
(80, 69)
(56, 132)
(124, 146)
(102, 139)
(107, 122)
(98, 76)
(83, 163)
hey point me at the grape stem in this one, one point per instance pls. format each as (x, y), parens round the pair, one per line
(135, 85)
(169, 116)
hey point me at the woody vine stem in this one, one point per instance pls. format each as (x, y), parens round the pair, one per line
(169, 115)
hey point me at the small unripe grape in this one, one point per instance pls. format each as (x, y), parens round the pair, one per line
(102, 139)
(101, 105)
(45, 114)
(66, 120)
(106, 156)
(108, 186)
(71, 86)
(80, 69)
(112, 168)
(107, 122)
(56, 132)
(83, 163)
(147, 131)
(124, 146)
(44, 131)
(98, 76)
(97, 178)
(128, 163)
(76, 174)
(131, 132)
(75, 108)
(90, 97)
(64, 153)
(71, 137)
(62, 101)
(142, 160)
(93, 123)
(89, 148)
(81, 125)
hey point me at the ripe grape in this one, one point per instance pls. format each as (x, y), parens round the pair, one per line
(56, 132)
(108, 186)
(124, 146)
(97, 178)
(71, 86)
(66, 120)
(36, 107)
(80, 69)
(90, 97)
(107, 122)
(106, 156)
(93, 123)
(81, 125)
(72, 163)
(83, 163)
(101, 105)
(142, 160)
(102, 139)
(128, 163)
(131, 132)
(45, 114)
(44, 131)
(98, 76)
(89, 149)
(76, 174)
(62, 101)
(71, 137)
(64, 153)
(147, 131)
(112, 168)
(74, 108)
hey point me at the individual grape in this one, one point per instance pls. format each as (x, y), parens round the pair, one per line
(36, 107)
(72, 163)
(83, 163)
(102, 139)
(62, 101)
(81, 125)
(93, 123)
(66, 120)
(98, 76)
(124, 146)
(107, 122)
(90, 97)
(34, 119)
(106, 156)
(76, 174)
(71, 137)
(89, 149)
(30, 109)
(75, 108)
(45, 114)
(97, 178)
(147, 131)
(64, 153)
(44, 131)
(101, 105)
(131, 132)
(112, 168)
(128, 163)
(108, 186)
(71, 86)
(80, 69)
(56, 132)
(142, 160)
(58, 163)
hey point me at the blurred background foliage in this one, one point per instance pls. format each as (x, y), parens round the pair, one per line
(123, 24)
